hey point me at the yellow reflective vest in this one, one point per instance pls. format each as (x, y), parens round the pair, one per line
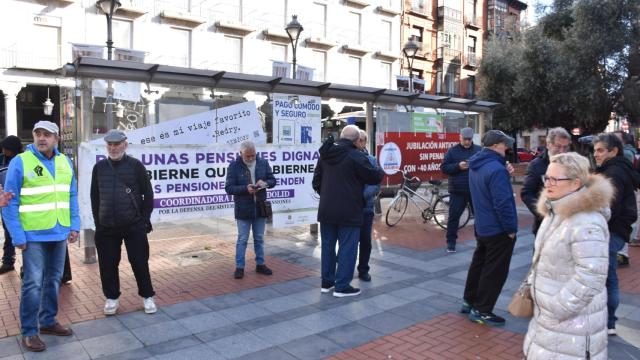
(44, 200)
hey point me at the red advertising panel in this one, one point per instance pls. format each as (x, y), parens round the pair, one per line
(418, 153)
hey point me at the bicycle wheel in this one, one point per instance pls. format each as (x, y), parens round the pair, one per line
(396, 209)
(441, 213)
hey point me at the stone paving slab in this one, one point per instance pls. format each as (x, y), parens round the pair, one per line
(291, 319)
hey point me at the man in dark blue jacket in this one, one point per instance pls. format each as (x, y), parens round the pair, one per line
(558, 142)
(456, 165)
(496, 224)
(248, 177)
(340, 177)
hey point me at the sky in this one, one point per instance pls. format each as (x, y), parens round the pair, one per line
(531, 10)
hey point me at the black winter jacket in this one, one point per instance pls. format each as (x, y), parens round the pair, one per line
(122, 199)
(238, 177)
(339, 177)
(624, 211)
(533, 185)
(458, 179)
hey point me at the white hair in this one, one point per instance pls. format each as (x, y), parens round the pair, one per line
(350, 132)
(247, 145)
(363, 134)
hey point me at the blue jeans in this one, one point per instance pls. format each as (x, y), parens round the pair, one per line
(457, 203)
(347, 239)
(244, 226)
(616, 243)
(43, 264)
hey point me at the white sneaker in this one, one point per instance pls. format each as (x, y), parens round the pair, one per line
(612, 332)
(150, 305)
(111, 306)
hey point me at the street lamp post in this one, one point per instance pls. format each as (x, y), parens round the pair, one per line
(293, 30)
(109, 7)
(410, 49)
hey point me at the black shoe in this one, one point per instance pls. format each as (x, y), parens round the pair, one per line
(263, 269)
(348, 291)
(5, 268)
(623, 260)
(489, 318)
(326, 286)
(239, 273)
(364, 276)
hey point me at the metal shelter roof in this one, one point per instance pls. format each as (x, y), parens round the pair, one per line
(164, 74)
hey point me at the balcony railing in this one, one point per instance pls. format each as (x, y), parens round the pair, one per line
(471, 60)
(447, 54)
(473, 21)
(23, 56)
(447, 13)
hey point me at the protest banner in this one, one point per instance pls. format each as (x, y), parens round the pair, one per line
(227, 125)
(304, 112)
(420, 154)
(188, 181)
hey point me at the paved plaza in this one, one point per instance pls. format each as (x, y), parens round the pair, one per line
(408, 311)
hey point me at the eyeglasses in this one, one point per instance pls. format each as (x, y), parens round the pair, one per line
(553, 181)
(467, 139)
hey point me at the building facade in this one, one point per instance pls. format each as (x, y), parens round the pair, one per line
(354, 42)
(451, 34)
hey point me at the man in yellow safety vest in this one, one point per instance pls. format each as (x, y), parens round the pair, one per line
(41, 218)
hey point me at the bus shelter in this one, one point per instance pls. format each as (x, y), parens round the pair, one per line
(186, 125)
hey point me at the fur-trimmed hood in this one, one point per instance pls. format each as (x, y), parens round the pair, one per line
(596, 195)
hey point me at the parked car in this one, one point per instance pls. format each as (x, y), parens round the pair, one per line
(525, 155)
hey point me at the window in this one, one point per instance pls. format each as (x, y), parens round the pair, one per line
(279, 13)
(385, 75)
(386, 36)
(354, 23)
(320, 65)
(279, 52)
(416, 32)
(179, 41)
(471, 47)
(470, 8)
(471, 86)
(421, 6)
(122, 33)
(354, 67)
(232, 54)
(318, 26)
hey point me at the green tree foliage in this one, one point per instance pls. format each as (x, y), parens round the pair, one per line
(569, 70)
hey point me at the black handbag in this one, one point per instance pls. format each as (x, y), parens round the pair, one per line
(264, 209)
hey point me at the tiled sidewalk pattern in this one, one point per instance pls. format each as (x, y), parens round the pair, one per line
(446, 337)
(176, 276)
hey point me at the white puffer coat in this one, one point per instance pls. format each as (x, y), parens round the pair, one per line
(568, 283)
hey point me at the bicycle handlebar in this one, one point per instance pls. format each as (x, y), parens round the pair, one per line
(405, 175)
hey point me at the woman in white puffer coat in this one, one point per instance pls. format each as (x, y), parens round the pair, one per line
(572, 253)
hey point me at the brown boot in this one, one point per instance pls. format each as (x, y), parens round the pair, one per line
(33, 343)
(57, 330)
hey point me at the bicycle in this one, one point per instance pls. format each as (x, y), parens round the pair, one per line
(436, 207)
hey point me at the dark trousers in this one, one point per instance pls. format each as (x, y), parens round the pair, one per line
(66, 274)
(457, 203)
(365, 243)
(109, 247)
(8, 251)
(488, 271)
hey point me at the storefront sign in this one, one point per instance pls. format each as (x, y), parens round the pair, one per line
(421, 154)
(296, 118)
(188, 181)
(228, 125)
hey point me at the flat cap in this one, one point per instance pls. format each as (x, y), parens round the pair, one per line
(466, 133)
(48, 126)
(493, 137)
(115, 136)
